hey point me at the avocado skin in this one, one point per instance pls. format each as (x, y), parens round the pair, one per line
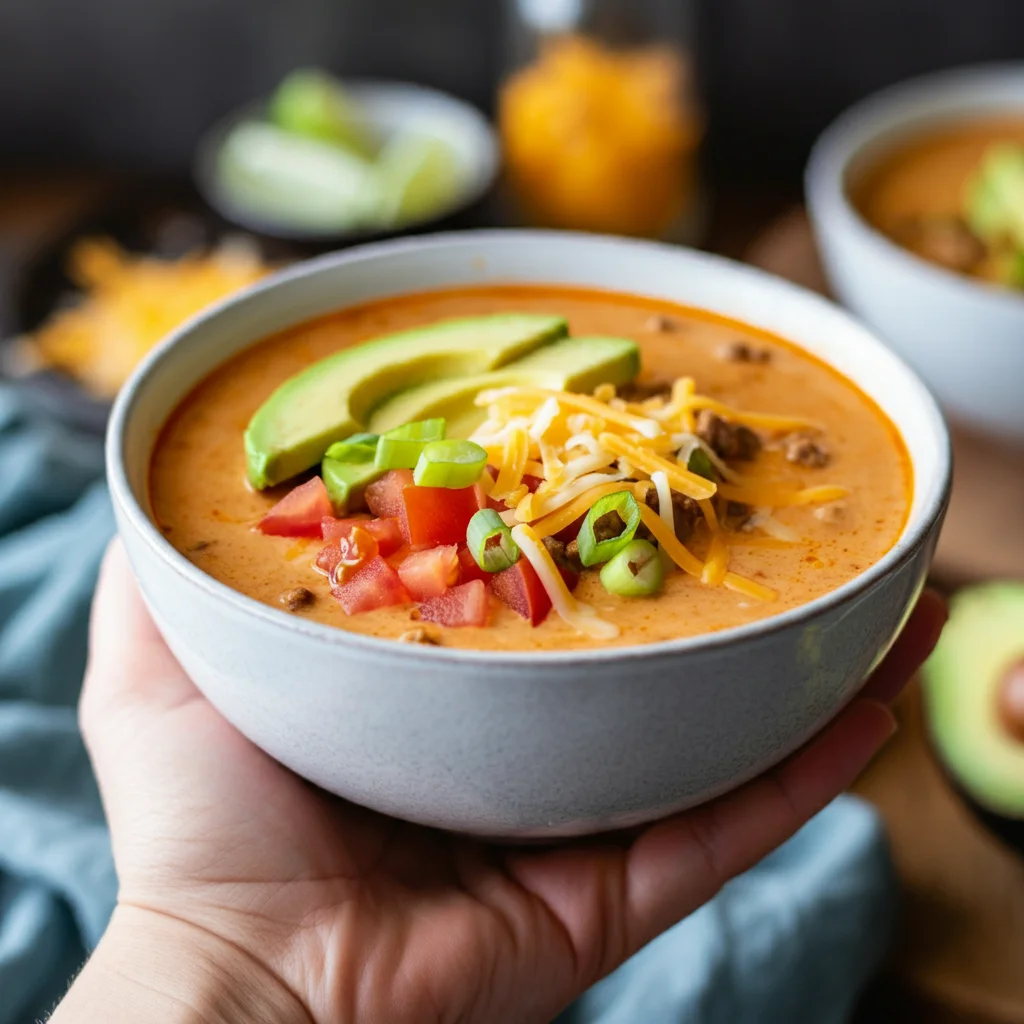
(328, 401)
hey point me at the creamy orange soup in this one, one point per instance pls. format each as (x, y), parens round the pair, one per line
(202, 503)
(916, 193)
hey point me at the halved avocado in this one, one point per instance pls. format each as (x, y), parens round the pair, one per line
(333, 398)
(974, 706)
(572, 364)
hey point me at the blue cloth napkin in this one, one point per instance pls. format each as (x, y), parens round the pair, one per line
(793, 940)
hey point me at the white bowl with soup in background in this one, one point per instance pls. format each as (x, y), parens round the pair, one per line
(964, 336)
(531, 742)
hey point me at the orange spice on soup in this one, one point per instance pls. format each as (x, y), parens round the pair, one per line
(763, 477)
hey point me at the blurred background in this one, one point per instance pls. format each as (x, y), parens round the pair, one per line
(122, 85)
(106, 158)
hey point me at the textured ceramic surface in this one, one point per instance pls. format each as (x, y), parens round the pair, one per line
(525, 745)
(964, 337)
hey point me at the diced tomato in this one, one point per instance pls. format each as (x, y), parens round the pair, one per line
(469, 570)
(427, 574)
(351, 548)
(384, 496)
(427, 516)
(465, 605)
(374, 585)
(572, 531)
(328, 558)
(519, 588)
(569, 574)
(300, 512)
(332, 528)
(532, 482)
(439, 515)
(387, 532)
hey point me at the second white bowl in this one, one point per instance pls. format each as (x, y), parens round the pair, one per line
(965, 338)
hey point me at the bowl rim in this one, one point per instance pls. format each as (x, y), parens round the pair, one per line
(915, 533)
(866, 123)
(482, 175)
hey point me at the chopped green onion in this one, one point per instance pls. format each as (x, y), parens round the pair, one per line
(620, 506)
(701, 464)
(400, 448)
(490, 541)
(636, 571)
(358, 448)
(450, 464)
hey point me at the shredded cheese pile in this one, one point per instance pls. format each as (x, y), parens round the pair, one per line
(129, 304)
(583, 447)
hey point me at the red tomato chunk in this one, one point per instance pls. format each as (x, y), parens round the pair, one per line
(469, 569)
(384, 496)
(386, 532)
(300, 512)
(465, 605)
(519, 588)
(428, 574)
(428, 516)
(439, 515)
(374, 585)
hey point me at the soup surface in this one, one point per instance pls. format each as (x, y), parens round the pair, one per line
(203, 504)
(919, 195)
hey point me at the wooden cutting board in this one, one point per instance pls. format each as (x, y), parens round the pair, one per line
(960, 954)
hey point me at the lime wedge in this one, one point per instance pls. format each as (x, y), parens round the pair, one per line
(420, 176)
(298, 181)
(312, 103)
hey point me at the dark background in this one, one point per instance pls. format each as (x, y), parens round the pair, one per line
(130, 84)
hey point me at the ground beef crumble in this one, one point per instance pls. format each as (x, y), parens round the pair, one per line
(685, 512)
(805, 449)
(297, 598)
(732, 442)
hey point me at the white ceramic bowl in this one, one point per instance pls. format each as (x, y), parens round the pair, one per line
(965, 338)
(527, 744)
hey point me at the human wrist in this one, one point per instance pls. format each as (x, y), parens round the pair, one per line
(150, 966)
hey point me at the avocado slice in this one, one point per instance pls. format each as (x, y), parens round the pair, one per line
(347, 468)
(995, 196)
(346, 481)
(572, 364)
(964, 684)
(333, 398)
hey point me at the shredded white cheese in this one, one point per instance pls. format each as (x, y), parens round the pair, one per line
(582, 617)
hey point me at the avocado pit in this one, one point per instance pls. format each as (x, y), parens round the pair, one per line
(1011, 701)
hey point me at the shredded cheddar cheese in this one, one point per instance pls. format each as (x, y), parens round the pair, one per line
(584, 447)
(129, 304)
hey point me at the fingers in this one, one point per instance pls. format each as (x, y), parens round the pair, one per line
(679, 864)
(129, 666)
(915, 643)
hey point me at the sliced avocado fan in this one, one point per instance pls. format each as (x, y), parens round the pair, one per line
(572, 364)
(983, 639)
(334, 398)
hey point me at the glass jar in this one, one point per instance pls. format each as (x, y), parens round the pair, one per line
(599, 119)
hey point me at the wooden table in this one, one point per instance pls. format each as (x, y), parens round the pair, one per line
(960, 956)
